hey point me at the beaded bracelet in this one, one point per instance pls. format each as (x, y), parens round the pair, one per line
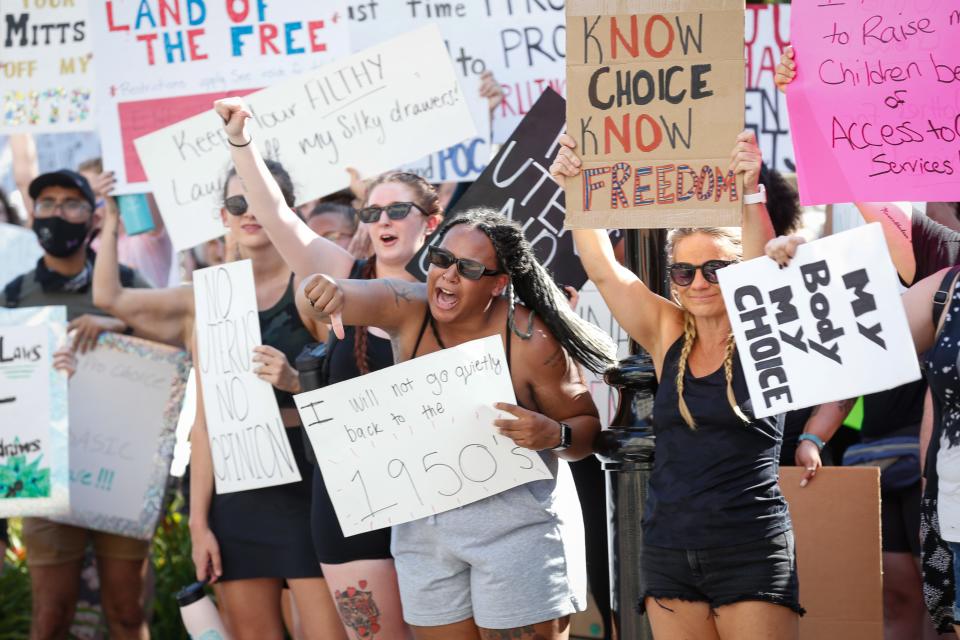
(815, 439)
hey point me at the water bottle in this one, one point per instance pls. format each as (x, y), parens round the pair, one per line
(135, 213)
(199, 614)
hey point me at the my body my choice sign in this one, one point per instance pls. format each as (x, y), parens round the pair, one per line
(828, 327)
(417, 438)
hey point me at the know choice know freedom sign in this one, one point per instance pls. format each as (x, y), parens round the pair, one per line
(375, 110)
(417, 438)
(830, 326)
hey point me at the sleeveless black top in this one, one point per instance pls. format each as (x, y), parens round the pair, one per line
(282, 329)
(342, 364)
(716, 485)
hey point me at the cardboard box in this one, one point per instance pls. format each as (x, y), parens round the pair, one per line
(836, 520)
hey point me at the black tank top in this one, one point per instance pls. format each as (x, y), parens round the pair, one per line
(342, 364)
(282, 329)
(716, 485)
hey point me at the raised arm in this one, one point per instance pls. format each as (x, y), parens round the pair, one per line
(23, 149)
(164, 315)
(757, 228)
(301, 248)
(897, 231)
(385, 304)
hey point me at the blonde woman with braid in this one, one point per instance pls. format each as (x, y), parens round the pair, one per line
(719, 559)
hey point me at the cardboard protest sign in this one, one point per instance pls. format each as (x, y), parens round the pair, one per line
(873, 106)
(836, 524)
(461, 33)
(417, 438)
(830, 326)
(124, 401)
(658, 100)
(161, 62)
(46, 66)
(767, 32)
(373, 111)
(34, 467)
(248, 442)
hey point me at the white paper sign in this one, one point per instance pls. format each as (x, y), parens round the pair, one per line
(417, 438)
(828, 327)
(162, 62)
(124, 401)
(46, 67)
(33, 413)
(248, 442)
(375, 110)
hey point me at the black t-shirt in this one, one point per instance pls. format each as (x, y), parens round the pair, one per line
(895, 412)
(935, 246)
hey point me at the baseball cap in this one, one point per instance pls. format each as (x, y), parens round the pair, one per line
(63, 178)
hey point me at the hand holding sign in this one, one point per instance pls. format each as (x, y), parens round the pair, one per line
(529, 429)
(786, 70)
(746, 159)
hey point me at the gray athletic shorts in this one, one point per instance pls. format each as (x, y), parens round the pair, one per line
(513, 559)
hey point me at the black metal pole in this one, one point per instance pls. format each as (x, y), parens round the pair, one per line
(626, 448)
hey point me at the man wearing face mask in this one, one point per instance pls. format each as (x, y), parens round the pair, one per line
(63, 206)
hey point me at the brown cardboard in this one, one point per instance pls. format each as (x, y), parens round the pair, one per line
(671, 159)
(836, 521)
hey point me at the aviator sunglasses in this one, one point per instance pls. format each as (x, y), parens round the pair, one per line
(395, 211)
(469, 269)
(683, 273)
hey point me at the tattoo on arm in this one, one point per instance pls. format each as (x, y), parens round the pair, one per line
(400, 290)
(886, 212)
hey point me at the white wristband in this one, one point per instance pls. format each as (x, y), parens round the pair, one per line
(756, 198)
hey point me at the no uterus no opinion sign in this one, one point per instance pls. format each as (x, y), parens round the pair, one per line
(828, 327)
(417, 438)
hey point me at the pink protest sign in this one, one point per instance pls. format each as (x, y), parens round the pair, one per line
(875, 107)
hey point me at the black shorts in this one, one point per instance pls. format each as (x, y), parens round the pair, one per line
(328, 540)
(900, 520)
(764, 570)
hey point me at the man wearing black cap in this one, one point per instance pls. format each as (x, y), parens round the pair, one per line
(63, 206)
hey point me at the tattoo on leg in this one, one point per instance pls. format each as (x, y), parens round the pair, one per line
(358, 610)
(519, 633)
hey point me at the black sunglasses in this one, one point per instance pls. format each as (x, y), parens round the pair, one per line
(395, 211)
(683, 273)
(235, 205)
(469, 269)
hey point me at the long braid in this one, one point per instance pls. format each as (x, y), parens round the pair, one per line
(532, 285)
(728, 373)
(689, 336)
(360, 334)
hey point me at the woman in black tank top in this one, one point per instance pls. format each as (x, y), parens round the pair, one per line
(718, 550)
(251, 543)
(400, 210)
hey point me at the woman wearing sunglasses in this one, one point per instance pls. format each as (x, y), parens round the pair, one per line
(718, 559)
(511, 565)
(249, 542)
(399, 211)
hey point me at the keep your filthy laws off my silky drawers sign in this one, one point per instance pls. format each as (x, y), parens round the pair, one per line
(417, 438)
(656, 100)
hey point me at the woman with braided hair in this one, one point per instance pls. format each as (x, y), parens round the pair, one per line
(718, 558)
(459, 570)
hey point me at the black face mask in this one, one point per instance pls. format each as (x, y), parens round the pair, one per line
(58, 237)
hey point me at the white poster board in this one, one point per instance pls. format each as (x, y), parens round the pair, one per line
(124, 401)
(162, 62)
(248, 442)
(33, 413)
(828, 327)
(464, 161)
(373, 111)
(417, 438)
(592, 308)
(767, 33)
(46, 67)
